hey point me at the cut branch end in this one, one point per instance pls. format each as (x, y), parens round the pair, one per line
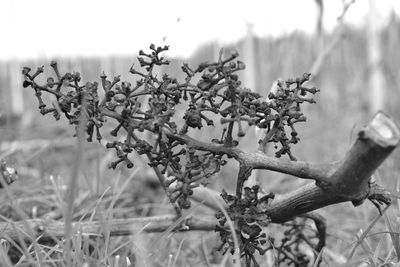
(382, 130)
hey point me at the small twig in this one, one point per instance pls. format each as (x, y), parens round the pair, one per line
(346, 7)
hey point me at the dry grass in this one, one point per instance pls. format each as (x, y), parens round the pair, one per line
(357, 237)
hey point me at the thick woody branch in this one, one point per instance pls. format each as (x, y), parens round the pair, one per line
(375, 142)
(347, 180)
(296, 203)
(305, 199)
(311, 197)
(284, 207)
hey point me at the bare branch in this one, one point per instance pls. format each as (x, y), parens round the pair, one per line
(258, 160)
(301, 169)
(46, 229)
(349, 180)
(203, 146)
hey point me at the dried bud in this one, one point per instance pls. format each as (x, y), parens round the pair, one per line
(306, 76)
(235, 54)
(26, 70)
(184, 203)
(26, 84)
(193, 118)
(50, 82)
(240, 65)
(241, 133)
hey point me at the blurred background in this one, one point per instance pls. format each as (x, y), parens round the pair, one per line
(350, 47)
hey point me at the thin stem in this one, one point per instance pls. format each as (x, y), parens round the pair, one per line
(229, 138)
(244, 174)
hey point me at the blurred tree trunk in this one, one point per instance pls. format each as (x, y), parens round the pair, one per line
(14, 74)
(249, 59)
(17, 98)
(376, 76)
(320, 24)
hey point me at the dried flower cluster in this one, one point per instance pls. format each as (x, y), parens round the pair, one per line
(210, 93)
(249, 213)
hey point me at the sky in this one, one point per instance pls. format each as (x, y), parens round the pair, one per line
(54, 28)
